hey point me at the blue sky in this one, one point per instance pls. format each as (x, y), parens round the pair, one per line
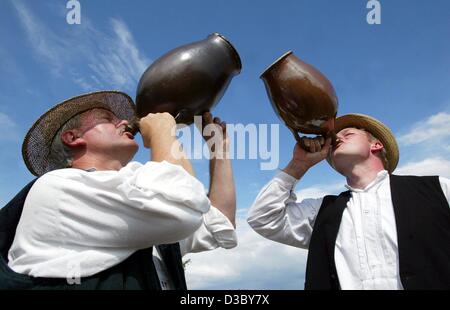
(397, 71)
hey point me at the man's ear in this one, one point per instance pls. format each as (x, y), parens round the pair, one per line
(377, 146)
(70, 138)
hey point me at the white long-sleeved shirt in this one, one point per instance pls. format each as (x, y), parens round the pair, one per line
(366, 249)
(95, 220)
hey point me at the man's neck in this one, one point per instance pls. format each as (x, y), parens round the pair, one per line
(98, 164)
(361, 176)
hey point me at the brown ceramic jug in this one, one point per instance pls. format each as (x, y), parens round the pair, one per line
(301, 96)
(188, 80)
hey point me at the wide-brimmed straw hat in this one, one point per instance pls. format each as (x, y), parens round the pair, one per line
(37, 143)
(377, 129)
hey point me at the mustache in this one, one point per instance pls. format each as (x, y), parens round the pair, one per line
(132, 127)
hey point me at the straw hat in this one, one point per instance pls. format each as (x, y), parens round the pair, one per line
(37, 143)
(377, 129)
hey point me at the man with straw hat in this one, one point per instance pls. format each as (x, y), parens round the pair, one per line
(95, 220)
(385, 232)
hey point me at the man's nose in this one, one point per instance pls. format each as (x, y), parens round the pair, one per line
(338, 139)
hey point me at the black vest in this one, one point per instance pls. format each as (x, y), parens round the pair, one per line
(134, 273)
(422, 216)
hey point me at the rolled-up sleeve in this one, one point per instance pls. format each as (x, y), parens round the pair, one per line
(144, 205)
(167, 182)
(216, 231)
(278, 216)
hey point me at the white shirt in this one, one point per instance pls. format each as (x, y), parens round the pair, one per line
(90, 221)
(366, 250)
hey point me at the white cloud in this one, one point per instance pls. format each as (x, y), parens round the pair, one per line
(9, 66)
(111, 60)
(44, 41)
(83, 83)
(127, 48)
(435, 128)
(319, 191)
(6, 121)
(430, 166)
(242, 212)
(115, 60)
(427, 147)
(10, 134)
(256, 263)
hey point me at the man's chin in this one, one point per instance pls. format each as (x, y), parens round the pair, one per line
(338, 159)
(129, 151)
(132, 144)
(134, 150)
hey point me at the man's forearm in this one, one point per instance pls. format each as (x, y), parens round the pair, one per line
(169, 149)
(296, 169)
(222, 192)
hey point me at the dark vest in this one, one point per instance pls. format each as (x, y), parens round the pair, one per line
(135, 273)
(422, 216)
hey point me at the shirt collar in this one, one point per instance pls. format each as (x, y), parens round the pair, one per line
(381, 176)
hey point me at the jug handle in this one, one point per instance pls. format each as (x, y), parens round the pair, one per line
(299, 140)
(182, 113)
(302, 144)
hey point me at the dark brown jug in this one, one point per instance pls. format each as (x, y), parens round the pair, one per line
(301, 96)
(188, 80)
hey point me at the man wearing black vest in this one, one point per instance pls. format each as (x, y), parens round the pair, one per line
(385, 232)
(94, 219)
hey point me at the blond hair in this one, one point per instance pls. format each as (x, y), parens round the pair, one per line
(382, 154)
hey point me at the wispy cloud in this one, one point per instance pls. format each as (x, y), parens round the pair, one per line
(11, 133)
(45, 42)
(430, 166)
(320, 190)
(118, 61)
(91, 58)
(436, 127)
(426, 146)
(9, 66)
(256, 263)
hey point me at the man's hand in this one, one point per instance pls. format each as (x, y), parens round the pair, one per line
(157, 126)
(302, 160)
(159, 133)
(214, 131)
(317, 150)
